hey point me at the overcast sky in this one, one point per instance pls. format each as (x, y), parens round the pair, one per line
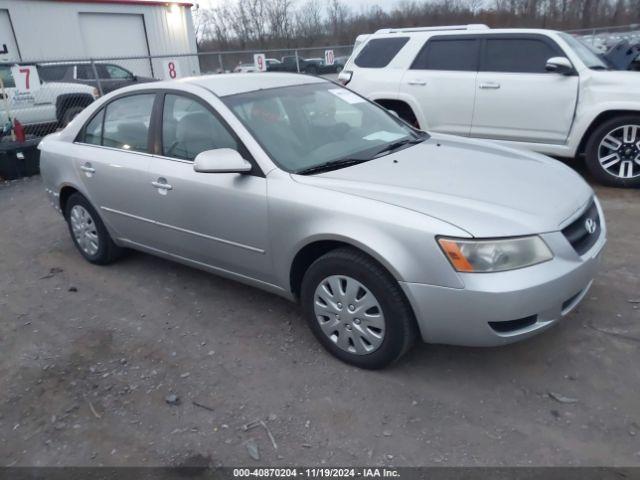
(355, 4)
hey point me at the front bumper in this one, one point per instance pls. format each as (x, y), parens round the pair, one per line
(531, 299)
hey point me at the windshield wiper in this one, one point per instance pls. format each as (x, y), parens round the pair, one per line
(347, 162)
(391, 147)
(332, 165)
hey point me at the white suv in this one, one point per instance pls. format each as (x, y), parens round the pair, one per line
(538, 89)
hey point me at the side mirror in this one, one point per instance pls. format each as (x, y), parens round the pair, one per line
(221, 160)
(561, 65)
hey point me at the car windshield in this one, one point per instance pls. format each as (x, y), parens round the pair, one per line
(303, 127)
(586, 54)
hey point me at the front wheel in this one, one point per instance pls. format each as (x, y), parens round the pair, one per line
(356, 309)
(613, 152)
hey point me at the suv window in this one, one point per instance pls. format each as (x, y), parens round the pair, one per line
(85, 72)
(51, 73)
(518, 55)
(379, 52)
(448, 54)
(126, 122)
(119, 73)
(189, 128)
(7, 78)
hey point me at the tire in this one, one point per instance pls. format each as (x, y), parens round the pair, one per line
(386, 344)
(623, 170)
(69, 114)
(96, 245)
(312, 70)
(339, 69)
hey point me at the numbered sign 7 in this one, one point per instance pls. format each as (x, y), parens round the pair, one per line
(25, 77)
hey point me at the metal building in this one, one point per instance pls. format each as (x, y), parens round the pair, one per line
(50, 30)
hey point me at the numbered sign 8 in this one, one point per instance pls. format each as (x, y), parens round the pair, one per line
(171, 69)
(25, 77)
(329, 58)
(260, 61)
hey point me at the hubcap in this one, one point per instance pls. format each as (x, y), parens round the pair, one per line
(359, 328)
(84, 230)
(619, 152)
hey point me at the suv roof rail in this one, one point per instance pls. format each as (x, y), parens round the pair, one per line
(472, 26)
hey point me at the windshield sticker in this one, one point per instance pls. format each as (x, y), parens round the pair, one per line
(346, 95)
(384, 136)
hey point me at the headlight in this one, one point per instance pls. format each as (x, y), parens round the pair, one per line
(481, 256)
(96, 93)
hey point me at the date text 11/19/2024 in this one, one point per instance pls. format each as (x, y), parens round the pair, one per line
(317, 472)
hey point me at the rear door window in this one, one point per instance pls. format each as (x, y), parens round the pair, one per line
(459, 54)
(518, 55)
(379, 52)
(93, 130)
(126, 122)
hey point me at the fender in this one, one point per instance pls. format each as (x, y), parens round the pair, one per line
(586, 117)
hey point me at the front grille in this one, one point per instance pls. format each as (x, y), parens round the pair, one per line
(580, 238)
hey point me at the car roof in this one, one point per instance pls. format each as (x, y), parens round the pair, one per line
(234, 83)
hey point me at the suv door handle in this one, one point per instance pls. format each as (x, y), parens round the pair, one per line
(417, 81)
(489, 86)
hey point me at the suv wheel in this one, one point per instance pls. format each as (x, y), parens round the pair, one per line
(89, 234)
(69, 114)
(613, 152)
(356, 309)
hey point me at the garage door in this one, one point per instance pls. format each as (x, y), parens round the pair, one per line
(8, 44)
(108, 35)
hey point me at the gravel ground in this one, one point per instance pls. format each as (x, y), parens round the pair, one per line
(90, 355)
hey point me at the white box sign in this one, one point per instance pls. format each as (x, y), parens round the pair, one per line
(329, 57)
(171, 69)
(25, 77)
(260, 61)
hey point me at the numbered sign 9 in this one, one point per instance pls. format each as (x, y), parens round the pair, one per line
(171, 69)
(260, 61)
(329, 58)
(25, 77)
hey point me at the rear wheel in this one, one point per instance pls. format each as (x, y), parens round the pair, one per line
(613, 152)
(88, 233)
(356, 309)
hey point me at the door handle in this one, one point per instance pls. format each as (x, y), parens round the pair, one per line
(489, 86)
(88, 169)
(162, 185)
(417, 81)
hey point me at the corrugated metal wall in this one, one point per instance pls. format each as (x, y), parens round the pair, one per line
(50, 30)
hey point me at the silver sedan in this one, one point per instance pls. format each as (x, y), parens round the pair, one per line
(300, 187)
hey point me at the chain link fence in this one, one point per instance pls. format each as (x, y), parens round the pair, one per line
(603, 38)
(44, 95)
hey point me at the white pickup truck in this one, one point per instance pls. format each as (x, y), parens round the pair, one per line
(45, 107)
(537, 89)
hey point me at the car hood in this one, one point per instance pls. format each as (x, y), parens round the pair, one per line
(478, 186)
